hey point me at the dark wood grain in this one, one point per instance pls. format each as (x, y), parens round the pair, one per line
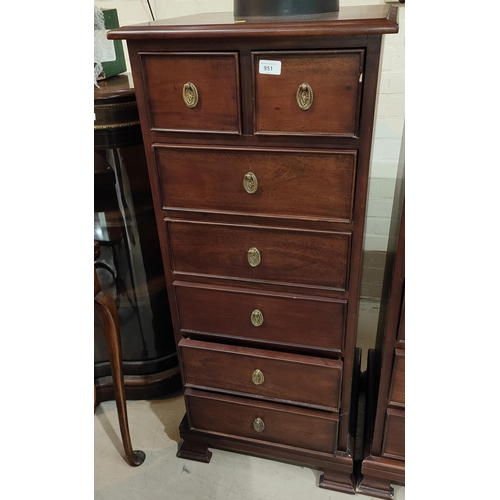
(317, 259)
(105, 308)
(384, 454)
(294, 427)
(389, 322)
(366, 20)
(289, 320)
(291, 183)
(335, 78)
(394, 436)
(309, 229)
(204, 364)
(215, 75)
(150, 366)
(397, 392)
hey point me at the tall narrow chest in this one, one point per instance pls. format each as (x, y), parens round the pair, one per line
(258, 138)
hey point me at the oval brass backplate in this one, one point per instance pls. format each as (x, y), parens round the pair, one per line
(258, 424)
(190, 94)
(250, 183)
(257, 317)
(304, 96)
(253, 256)
(257, 377)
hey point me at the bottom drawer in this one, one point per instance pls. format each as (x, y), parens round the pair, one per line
(394, 439)
(271, 422)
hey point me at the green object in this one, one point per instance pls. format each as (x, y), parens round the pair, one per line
(113, 62)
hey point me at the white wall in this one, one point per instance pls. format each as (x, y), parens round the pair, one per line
(390, 110)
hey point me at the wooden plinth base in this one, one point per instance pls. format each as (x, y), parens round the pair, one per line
(337, 470)
(377, 475)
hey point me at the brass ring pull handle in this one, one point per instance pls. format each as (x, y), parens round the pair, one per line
(253, 256)
(190, 94)
(257, 377)
(304, 96)
(250, 183)
(257, 318)
(258, 424)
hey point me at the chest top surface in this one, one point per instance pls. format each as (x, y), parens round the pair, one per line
(361, 20)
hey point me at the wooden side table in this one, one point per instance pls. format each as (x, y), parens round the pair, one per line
(105, 308)
(130, 266)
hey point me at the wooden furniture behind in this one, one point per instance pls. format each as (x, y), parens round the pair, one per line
(130, 266)
(106, 310)
(259, 182)
(384, 457)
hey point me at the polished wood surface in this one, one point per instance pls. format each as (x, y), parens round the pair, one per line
(306, 219)
(394, 435)
(397, 391)
(356, 20)
(106, 309)
(335, 78)
(130, 266)
(383, 461)
(312, 184)
(216, 312)
(216, 78)
(286, 425)
(116, 86)
(221, 250)
(205, 365)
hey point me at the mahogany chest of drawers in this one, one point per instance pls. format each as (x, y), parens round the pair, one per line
(258, 138)
(383, 462)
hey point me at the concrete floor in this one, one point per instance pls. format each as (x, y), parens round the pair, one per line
(229, 476)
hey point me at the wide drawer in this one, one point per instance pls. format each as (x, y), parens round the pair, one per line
(298, 184)
(276, 376)
(278, 319)
(397, 392)
(329, 82)
(394, 438)
(192, 92)
(261, 254)
(261, 421)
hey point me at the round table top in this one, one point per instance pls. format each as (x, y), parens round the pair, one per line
(116, 86)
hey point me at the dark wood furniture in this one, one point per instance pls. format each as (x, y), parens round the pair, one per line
(384, 457)
(130, 266)
(107, 312)
(259, 182)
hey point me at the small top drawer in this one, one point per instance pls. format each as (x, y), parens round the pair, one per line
(309, 92)
(192, 92)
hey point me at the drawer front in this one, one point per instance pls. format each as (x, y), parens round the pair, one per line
(276, 376)
(394, 439)
(213, 89)
(397, 394)
(285, 320)
(334, 82)
(315, 185)
(260, 254)
(264, 422)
